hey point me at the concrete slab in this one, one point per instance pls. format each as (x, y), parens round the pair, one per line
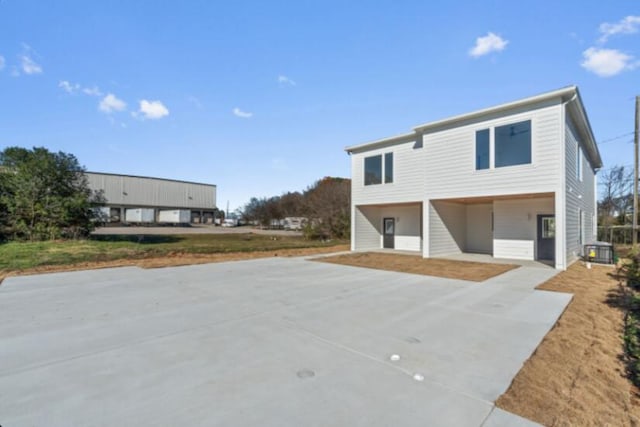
(265, 342)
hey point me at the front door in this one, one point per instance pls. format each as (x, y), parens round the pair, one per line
(389, 228)
(547, 237)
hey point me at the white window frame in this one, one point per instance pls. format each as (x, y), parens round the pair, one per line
(579, 175)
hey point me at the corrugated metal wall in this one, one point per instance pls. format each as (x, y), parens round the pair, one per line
(142, 191)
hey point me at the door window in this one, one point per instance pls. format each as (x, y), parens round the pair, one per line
(388, 226)
(548, 228)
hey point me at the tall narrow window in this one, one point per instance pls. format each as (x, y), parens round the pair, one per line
(513, 144)
(579, 163)
(482, 149)
(388, 168)
(373, 170)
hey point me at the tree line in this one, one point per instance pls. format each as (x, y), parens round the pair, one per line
(326, 206)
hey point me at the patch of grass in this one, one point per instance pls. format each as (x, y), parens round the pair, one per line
(16, 256)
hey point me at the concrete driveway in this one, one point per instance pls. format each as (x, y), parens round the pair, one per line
(270, 342)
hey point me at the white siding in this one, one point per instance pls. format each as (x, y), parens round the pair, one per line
(447, 228)
(368, 228)
(408, 176)
(515, 225)
(408, 224)
(450, 162)
(479, 234)
(580, 195)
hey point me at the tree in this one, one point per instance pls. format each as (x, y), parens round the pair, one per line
(44, 195)
(616, 203)
(328, 208)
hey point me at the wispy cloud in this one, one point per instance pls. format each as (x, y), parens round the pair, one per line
(111, 103)
(627, 25)
(243, 114)
(2, 62)
(68, 87)
(92, 91)
(28, 65)
(152, 110)
(285, 81)
(607, 62)
(195, 101)
(487, 44)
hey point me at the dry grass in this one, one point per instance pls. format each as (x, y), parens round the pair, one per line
(463, 270)
(175, 259)
(576, 377)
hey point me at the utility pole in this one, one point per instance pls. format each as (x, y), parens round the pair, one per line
(635, 173)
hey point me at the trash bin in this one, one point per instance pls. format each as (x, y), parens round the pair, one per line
(599, 252)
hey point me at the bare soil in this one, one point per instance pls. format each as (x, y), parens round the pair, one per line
(463, 270)
(176, 259)
(576, 377)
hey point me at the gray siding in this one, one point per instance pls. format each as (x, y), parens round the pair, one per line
(450, 159)
(579, 195)
(408, 179)
(123, 190)
(447, 228)
(368, 228)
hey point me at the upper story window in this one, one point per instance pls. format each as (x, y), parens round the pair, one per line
(373, 169)
(578, 162)
(509, 145)
(388, 168)
(482, 149)
(513, 144)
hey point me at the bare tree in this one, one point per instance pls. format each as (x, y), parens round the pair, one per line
(616, 203)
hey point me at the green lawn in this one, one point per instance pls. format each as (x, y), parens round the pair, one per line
(16, 256)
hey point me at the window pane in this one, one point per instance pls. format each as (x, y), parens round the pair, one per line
(482, 149)
(373, 170)
(388, 167)
(548, 228)
(513, 144)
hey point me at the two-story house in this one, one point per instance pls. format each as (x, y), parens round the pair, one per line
(516, 181)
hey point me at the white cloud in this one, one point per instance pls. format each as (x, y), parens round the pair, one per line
(239, 113)
(68, 87)
(607, 62)
(284, 80)
(29, 66)
(152, 110)
(627, 25)
(487, 44)
(111, 103)
(2, 62)
(92, 91)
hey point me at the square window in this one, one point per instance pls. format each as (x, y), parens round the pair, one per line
(513, 144)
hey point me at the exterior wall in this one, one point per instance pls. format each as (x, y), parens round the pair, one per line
(408, 236)
(122, 190)
(579, 195)
(515, 226)
(450, 157)
(367, 224)
(479, 238)
(408, 176)
(447, 228)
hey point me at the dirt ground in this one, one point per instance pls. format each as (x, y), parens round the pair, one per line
(576, 376)
(177, 259)
(463, 270)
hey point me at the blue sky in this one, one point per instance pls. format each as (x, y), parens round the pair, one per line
(262, 97)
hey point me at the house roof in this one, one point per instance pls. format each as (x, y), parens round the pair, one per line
(568, 95)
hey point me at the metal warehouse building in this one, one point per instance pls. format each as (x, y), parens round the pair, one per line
(140, 199)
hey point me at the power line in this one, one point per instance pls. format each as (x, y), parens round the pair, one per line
(615, 138)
